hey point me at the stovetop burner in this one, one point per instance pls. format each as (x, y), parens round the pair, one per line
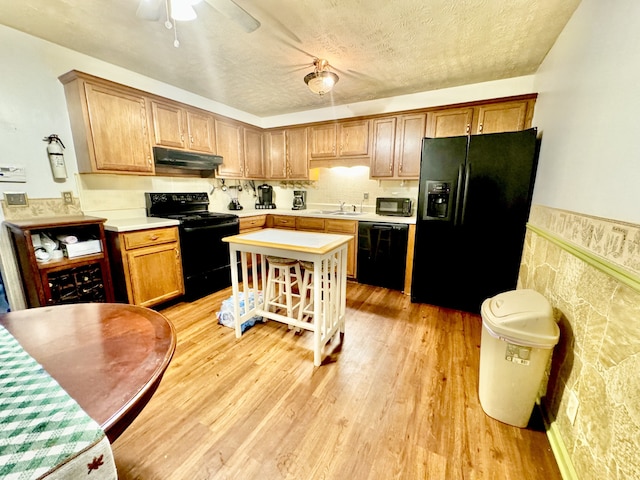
(188, 208)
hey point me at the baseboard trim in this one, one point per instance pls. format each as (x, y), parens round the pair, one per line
(558, 447)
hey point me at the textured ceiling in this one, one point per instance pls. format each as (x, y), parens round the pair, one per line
(379, 48)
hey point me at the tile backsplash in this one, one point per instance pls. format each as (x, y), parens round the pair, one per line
(123, 195)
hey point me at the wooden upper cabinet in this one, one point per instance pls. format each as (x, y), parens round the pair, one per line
(168, 124)
(340, 140)
(397, 146)
(323, 141)
(286, 152)
(110, 126)
(230, 145)
(297, 148)
(384, 147)
(200, 131)
(410, 132)
(449, 122)
(253, 153)
(175, 126)
(353, 138)
(503, 117)
(276, 153)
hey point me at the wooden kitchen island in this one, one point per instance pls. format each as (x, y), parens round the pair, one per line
(327, 252)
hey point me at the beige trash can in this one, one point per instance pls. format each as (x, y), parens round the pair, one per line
(518, 336)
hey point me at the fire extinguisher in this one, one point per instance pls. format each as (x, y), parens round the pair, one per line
(54, 150)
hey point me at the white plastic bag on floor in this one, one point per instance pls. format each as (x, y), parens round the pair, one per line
(226, 315)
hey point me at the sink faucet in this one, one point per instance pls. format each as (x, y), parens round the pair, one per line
(341, 206)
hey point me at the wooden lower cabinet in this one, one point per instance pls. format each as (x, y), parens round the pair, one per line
(281, 221)
(249, 224)
(147, 266)
(346, 227)
(342, 227)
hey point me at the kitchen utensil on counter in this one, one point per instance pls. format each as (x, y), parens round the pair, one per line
(232, 191)
(265, 197)
(299, 200)
(234, 204)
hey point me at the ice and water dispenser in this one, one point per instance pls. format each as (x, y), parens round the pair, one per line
(439, 200)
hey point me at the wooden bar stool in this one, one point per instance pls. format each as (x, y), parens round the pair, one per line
(283, 275)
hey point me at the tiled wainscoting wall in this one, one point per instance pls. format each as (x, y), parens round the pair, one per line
(589, 269)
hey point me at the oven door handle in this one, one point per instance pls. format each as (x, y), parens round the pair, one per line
(200, 228)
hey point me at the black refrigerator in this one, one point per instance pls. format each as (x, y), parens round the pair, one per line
(473, 204)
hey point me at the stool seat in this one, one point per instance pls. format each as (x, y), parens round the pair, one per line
(283, 274)
(281, 260)
(306, 265)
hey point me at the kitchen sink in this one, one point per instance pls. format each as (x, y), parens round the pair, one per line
(339, 213)
(346, 214)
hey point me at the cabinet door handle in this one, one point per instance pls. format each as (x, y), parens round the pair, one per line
(154, 237)
(480, 128)
(177, 253)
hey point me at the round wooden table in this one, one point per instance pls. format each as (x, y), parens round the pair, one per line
(109, 357)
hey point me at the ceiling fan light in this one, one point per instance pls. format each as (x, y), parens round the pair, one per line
(182, 11)
(321, 82)
(149, 9)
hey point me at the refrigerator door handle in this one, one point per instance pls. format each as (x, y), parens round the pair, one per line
(467, 174)
(458, 189)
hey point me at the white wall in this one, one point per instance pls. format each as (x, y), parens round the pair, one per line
(587, 111)
(33, 106)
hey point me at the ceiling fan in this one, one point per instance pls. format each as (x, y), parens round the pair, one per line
(182, 10)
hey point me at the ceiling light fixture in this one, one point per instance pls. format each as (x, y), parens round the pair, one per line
(182, 10)
(321, 80)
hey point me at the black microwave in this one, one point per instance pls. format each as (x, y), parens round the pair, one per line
(397, 207)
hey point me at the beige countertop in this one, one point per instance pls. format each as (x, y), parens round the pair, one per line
(315, 243)
(311, 212)
(143, 223)
(138, 223)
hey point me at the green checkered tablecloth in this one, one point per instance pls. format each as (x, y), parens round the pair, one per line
(43, 431)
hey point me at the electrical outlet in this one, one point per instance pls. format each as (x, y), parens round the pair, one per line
(366, 196)
(572, 406)
(67, 197)
(16, 199)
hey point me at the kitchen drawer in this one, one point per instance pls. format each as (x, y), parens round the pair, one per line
(341, 226)
(310, 223)
(283, 221)
(250, 223)
(155, 236)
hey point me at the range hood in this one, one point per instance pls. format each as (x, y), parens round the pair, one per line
(185, 160)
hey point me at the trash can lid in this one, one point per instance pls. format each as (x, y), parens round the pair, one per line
(523, 317)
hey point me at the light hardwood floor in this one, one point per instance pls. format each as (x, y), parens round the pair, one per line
(398, 400)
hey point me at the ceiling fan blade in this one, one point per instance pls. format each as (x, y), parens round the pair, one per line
(149, 9)
(233, 11)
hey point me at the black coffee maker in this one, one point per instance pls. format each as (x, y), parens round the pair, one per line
(265, 196)
(299, 200)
